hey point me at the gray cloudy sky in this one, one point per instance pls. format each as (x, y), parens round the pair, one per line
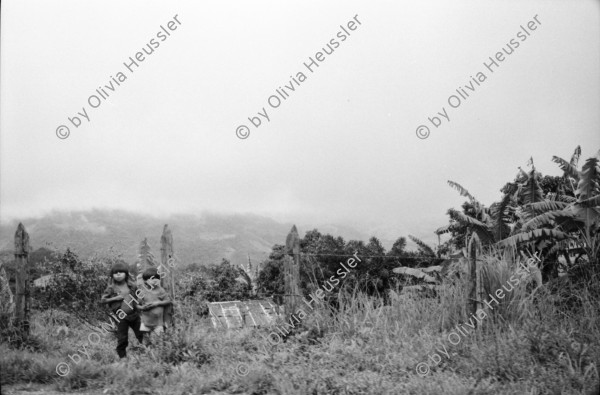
(341, 148)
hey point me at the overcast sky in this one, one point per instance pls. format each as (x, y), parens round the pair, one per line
(341, 148)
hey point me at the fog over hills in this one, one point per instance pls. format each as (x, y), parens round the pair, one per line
(205, 238)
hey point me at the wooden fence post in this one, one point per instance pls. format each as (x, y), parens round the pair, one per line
(166, 253)
(472, 300)
(167, 261)
(292, 271)
(22, 280)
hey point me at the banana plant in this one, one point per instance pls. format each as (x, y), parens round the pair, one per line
(562, 217)
(249, 275)
(526, 219)
(586, 209)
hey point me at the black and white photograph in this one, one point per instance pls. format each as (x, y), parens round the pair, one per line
(300, 198)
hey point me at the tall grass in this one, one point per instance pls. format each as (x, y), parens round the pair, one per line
(536, 341)
(509, 279)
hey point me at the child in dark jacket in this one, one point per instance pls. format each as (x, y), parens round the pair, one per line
(120, 296)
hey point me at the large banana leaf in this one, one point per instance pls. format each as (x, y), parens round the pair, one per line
(531, 191)
(534, 235)
(568, 168)
(559, 246)
(576, 156)
(462, 191)
(588, 215)
(501, 214)
(588, 190)
(466, 219)
(442, 230)
(589, 182)
(426, 249)
(549, 218)
(555, 197)
(591, 202)
(546, 205)
(244, 277)
(416, 273)
(482, 229)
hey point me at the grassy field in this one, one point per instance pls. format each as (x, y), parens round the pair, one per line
(540, 342)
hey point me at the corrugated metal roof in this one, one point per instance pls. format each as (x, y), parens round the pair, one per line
(239, 314)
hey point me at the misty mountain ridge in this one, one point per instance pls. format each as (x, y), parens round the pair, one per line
(203, 239)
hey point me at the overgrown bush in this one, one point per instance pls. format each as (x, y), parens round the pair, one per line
(214, 283)
(75, 286)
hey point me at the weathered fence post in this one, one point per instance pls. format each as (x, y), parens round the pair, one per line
(472, 300)
(167, 260)
(166, 253)
(292, 271)
(22, 280)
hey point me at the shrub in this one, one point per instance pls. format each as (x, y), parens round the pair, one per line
(75, 286)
